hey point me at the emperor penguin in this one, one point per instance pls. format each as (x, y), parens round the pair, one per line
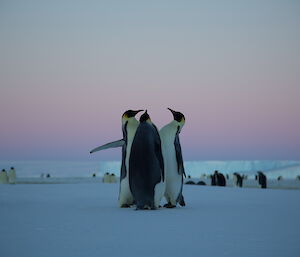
(262, 179)
(3, 177)
(146, 165)
(112, 178)
(12, 176)
(105, 178)
(129, 127)
(173, 161)
(237, 180)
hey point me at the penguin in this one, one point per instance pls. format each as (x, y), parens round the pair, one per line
(213, 179)
(3, 177)
(221, 181)
(190, 182)
(129, 127)
(146, 165)
(201, 183)
(218, 179)
(173, 161)
(12, 176)
(237, 180)
(112, 178)
(262, 179)
(106, 178)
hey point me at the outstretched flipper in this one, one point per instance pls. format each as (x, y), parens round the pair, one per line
(114, 144)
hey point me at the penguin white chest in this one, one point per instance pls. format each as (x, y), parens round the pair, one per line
(172, 177)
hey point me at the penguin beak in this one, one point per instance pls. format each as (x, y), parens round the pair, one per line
(136, 112)
(171, 110)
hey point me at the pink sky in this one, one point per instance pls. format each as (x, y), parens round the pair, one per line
(68, 71)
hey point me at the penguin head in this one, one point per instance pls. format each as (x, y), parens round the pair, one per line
(178, 116)
(145, 117)
(129, 115)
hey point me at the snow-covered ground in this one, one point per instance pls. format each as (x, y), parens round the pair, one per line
(83, 220)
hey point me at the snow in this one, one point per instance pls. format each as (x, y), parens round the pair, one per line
(83, 220)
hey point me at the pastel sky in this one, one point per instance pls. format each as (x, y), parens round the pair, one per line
(69, 69)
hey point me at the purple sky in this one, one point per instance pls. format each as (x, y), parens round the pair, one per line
(69, 69)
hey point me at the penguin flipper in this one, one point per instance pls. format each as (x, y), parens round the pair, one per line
(114, 144)
(179, 155)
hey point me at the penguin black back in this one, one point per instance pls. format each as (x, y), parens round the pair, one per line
(145, 163)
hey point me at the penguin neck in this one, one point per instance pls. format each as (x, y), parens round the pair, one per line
(132, 126)
(133, 122)
(174, 125)
(170, 130)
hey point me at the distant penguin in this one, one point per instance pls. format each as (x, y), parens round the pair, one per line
(3, 177)
(129, 127)
(221, 181)
(237, 180)
(190, 182)
(280, 178)
(262, 179)
(112, 178)
(106, 178)
(218, 179)
(146, 165)
(213, 179)
(12, 176)
(173, 161)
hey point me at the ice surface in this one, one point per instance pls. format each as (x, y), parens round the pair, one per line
(84, 220)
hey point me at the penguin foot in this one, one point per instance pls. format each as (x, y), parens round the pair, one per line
(146, 207)
(169, 205)
(142, 208)
(181, 200)
(125, 205)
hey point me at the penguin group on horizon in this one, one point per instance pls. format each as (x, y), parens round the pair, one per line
(152, 163)
(218, 179)
(9, 178)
